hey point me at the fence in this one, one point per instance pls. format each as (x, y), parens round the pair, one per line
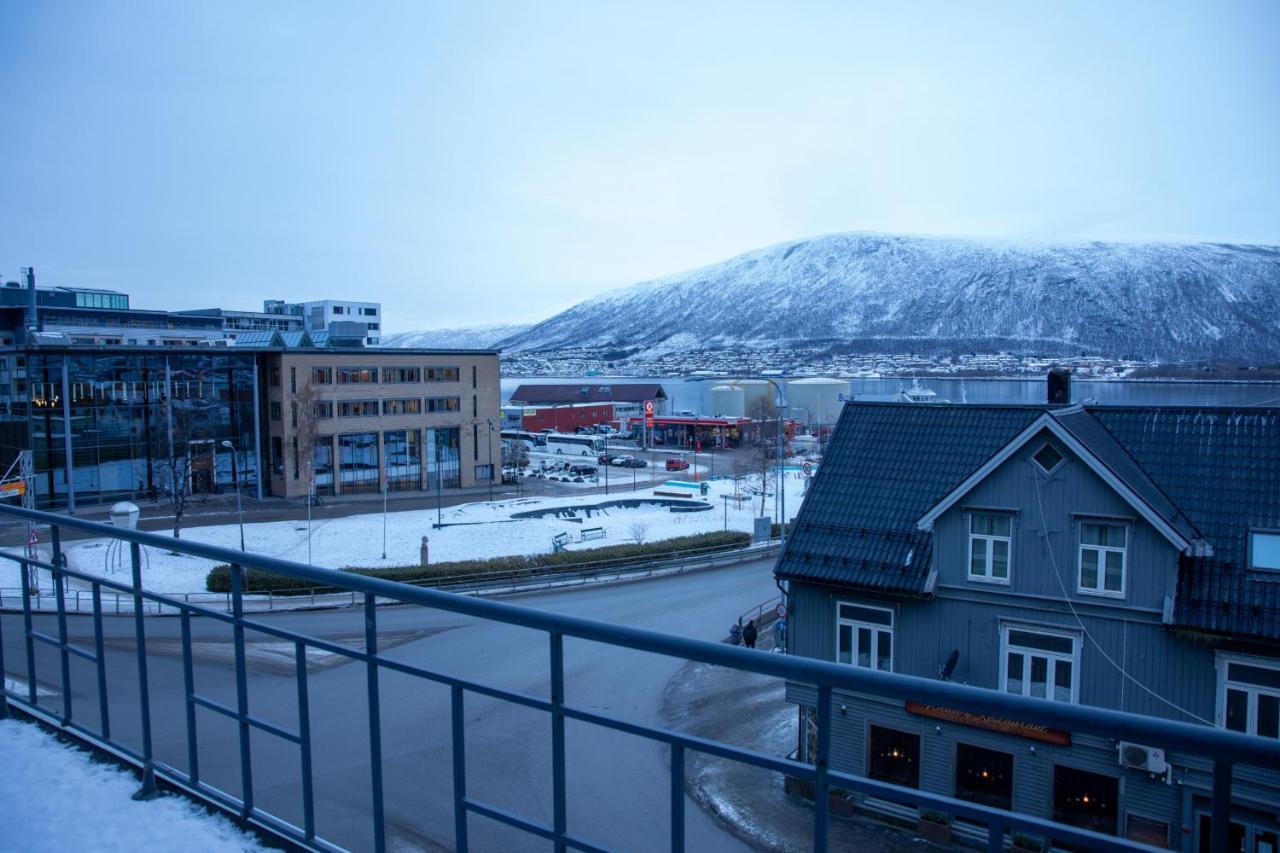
(1223, 748)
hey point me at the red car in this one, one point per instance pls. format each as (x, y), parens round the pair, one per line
(677, 464)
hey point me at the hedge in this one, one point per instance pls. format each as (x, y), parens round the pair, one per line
(499, 568)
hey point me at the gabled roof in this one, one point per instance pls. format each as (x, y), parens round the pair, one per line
(259, 339)
(600, 392)
(296, 339)
(885, 466)
(1097, 448)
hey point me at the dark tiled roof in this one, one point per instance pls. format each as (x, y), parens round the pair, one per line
(886, 466)
(603, 392)
(1224, 599)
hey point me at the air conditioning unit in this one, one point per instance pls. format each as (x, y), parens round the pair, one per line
(1147, 758)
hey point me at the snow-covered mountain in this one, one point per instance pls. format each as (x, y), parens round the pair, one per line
(893, 293)
(475, 337)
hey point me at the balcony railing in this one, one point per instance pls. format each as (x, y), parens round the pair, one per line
(1223, 748)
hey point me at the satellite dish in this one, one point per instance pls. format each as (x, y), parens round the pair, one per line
(949, 668)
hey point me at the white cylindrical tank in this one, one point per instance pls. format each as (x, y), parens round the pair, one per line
(753, 390)
(816, 401)
(727, 401)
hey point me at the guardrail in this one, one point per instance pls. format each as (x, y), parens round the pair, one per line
(475, 583)
(1223, 748)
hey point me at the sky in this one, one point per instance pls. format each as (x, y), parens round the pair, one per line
(476, 162)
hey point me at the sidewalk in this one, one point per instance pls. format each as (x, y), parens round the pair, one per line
(749, 710)
(61, 798)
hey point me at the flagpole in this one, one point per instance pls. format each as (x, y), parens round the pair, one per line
(385, 479)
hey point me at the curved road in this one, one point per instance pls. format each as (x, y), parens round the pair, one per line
(618, 785)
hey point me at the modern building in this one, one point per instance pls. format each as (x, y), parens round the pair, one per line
(123, 422)
(1121, 557)
(338, 317)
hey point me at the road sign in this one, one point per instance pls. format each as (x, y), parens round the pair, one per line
(648, 408)
(807, 468)
(782, 611)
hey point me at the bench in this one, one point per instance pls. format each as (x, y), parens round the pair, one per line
(559, 541)
(668, 493)
(591, 533)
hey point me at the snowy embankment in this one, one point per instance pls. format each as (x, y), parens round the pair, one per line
(59, 798)
(473, 531)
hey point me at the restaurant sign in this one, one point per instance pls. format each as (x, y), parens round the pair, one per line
(995, 724)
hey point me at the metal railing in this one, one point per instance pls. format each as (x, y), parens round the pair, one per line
(1223, 748)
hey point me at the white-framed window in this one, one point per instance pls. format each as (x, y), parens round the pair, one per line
(990, 546)
(864, 636)
(1048, 458)
(1040, 663)
(1264, 550)
(1102, 557)
(1249, 696)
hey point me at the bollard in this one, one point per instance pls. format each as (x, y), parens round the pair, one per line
(424, 552)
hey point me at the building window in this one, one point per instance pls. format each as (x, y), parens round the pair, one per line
(1146, 831)
(1048, 458)
(444, 404)
(322, 465)
(484, 473)
(475, 442)
(474, 405)
(894, 757)
(1250, 698)
(357, 408)
(369, 312)
(277, 411)
(322, 376)
(338, 309)
(443, 374)
(408, 406)
(274, 374)
(473, 376)
(990, 539)
(1038, 664)
(864, 636)
(402, 374)
(323, 409)
(293, 380)
(984, 776)
(1084, 799)
(296, 459)
(444, 459)
(357, 375)
(1264, 550)
(293, 414)
(1102, 558)
(358, 462)
(402, 455)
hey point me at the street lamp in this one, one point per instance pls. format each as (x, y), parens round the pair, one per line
(235, 480)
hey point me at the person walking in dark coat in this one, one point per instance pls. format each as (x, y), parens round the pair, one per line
(749, 634)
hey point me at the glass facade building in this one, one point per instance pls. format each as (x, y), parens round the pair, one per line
(122, 425)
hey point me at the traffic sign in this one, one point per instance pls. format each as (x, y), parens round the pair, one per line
(807, 469)
(782, 611)
(648, 408)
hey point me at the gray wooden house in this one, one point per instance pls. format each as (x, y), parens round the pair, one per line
(1121, 557)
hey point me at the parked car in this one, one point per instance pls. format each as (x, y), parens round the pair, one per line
(582, 470)
(676, 464)
(584, 431)
(606, 458)
(630, 462)
(621, 461)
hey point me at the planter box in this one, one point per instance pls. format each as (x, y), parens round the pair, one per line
(934, 833)
(839, 806)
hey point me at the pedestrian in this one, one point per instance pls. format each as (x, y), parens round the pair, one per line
(749, 634)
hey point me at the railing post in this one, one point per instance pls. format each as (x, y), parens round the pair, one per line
(4, 684)
(995, 838)
(100, 659)
(375, 718)
(1221, 822)
(304, 741)
(821, 762)
(148, 789)
(189, 687)
(60, 598)
(677, 798)
(459, 773)
(27, 630)
(559, 808)
(242, 688)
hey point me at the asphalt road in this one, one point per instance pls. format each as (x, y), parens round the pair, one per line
(618, 785)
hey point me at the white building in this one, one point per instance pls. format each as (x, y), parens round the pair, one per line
(321, 315)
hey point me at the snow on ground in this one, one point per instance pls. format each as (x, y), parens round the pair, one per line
(475, 530)
(59, 798)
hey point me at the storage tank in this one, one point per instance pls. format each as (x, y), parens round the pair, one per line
(816, 401)
(727, 401)
(753, 390)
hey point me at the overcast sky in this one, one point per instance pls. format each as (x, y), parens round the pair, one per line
(475, 162)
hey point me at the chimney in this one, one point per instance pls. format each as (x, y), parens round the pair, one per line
(1060, 386)
(29, 279)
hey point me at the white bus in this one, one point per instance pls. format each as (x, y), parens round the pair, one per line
(532, 440)
(575, 445)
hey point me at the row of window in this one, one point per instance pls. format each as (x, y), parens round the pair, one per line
(372, 375)
(1101, 553)
(1045, 664)
(324, 409)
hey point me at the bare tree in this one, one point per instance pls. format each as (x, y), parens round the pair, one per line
(762, 465)
(741, 470)
(306, 419)
(185, 430)
(639, 531)
(761, 408)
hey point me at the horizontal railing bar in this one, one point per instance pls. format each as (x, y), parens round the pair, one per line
(57, 643)
(256, 722)
(539, 829)
(1176, 735)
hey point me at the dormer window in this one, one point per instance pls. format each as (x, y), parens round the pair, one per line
(1103, 552)
(1048, 457)
(1264, 550)
(990, 538)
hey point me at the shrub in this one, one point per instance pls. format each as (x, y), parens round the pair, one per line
(496, 568)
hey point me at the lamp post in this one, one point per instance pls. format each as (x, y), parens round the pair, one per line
(311, 499)
(235, 480)
(489, 421)
(607, 463)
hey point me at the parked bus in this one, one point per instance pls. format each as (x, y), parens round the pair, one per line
(576, 445)
(532, 440)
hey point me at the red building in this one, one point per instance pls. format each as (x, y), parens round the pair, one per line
(566, 418)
